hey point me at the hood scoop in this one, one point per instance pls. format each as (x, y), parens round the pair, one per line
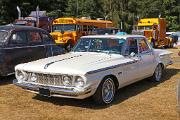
(48, 64)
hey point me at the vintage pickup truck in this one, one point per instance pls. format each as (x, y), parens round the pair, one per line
(97, 66)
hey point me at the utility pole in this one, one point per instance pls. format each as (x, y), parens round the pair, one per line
(77, 8)
(106, 19)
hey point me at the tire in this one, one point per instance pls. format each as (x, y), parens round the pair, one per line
(105, 92)
(157, 73)
(171, 45)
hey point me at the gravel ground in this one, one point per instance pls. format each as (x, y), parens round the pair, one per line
(144, 100)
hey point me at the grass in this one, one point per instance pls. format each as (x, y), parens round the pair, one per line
(144, 100)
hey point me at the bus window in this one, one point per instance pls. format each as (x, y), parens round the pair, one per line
(84, 27)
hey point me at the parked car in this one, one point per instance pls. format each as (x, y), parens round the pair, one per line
(20, 44)
(97, 66)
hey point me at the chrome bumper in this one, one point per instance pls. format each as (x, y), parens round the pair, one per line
(55, 91)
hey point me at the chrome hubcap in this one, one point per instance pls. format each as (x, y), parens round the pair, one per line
(158, 72)
(108, 90)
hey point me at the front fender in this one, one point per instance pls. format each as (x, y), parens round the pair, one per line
(95, 79)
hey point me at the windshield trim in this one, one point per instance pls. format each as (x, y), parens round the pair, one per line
(99, 50)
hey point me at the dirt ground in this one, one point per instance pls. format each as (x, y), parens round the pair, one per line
(145, 100)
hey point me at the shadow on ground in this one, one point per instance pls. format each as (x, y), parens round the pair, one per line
(122, 94)
(6, 80)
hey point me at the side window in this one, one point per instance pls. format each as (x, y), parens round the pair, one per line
(19, 37)
(131, 46)
(85, 28)
(35, 37)
(46, 38)
(78, 27)
(143, 46)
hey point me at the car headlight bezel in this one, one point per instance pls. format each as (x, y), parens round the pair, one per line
(33, 77)
(79, 82)
(67, 80)
(21, 75)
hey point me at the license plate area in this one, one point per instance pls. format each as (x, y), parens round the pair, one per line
(44, 92)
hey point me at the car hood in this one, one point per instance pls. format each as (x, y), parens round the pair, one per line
(73, 63)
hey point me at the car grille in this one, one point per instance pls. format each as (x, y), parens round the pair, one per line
(46, 79)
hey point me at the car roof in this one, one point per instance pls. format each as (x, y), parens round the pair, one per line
(19, 27)
(112, 36)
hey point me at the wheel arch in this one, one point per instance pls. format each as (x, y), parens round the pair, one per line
(114, 79)
(162, 65)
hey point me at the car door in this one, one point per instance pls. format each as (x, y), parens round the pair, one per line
(147, 59)
(131, 68)
(37, 48)
(16, 51)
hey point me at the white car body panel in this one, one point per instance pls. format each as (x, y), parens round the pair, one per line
(93, 67)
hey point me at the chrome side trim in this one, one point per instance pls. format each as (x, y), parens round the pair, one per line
(48, 64)
(27, 46)
(111, 67)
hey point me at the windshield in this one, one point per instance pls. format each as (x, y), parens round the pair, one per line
(3, 36)
(104, 45)
(64, 27)
(144, 27)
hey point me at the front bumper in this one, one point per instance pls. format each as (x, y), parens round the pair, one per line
(56, 91)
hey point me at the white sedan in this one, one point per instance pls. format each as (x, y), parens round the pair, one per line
(97, 66)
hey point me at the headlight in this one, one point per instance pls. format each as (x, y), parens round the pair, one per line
(79, 82)
(33, 77)
(67, 80)
(21, 76)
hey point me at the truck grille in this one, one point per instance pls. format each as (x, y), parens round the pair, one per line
(46, 79)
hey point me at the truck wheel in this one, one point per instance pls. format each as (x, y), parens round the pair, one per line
(157, 73)
(105, 92)
(171, 45)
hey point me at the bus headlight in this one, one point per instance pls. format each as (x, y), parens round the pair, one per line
(79, 82)
(21, 75)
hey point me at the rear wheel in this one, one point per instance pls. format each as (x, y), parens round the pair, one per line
(105, 92)
(157, 73)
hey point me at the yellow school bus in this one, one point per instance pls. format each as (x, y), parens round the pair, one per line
(66, 31)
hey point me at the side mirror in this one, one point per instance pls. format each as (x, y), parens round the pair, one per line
(132, 54)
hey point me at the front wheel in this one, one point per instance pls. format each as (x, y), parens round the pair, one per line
(105, 92)
(157, 73)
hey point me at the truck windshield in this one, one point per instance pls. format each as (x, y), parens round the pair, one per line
(103, 45)
(3, 36)
(64, 27)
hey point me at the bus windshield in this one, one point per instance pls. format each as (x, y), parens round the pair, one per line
(64, 27)
(144, 27)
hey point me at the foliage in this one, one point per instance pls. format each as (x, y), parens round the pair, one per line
(125, 11)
